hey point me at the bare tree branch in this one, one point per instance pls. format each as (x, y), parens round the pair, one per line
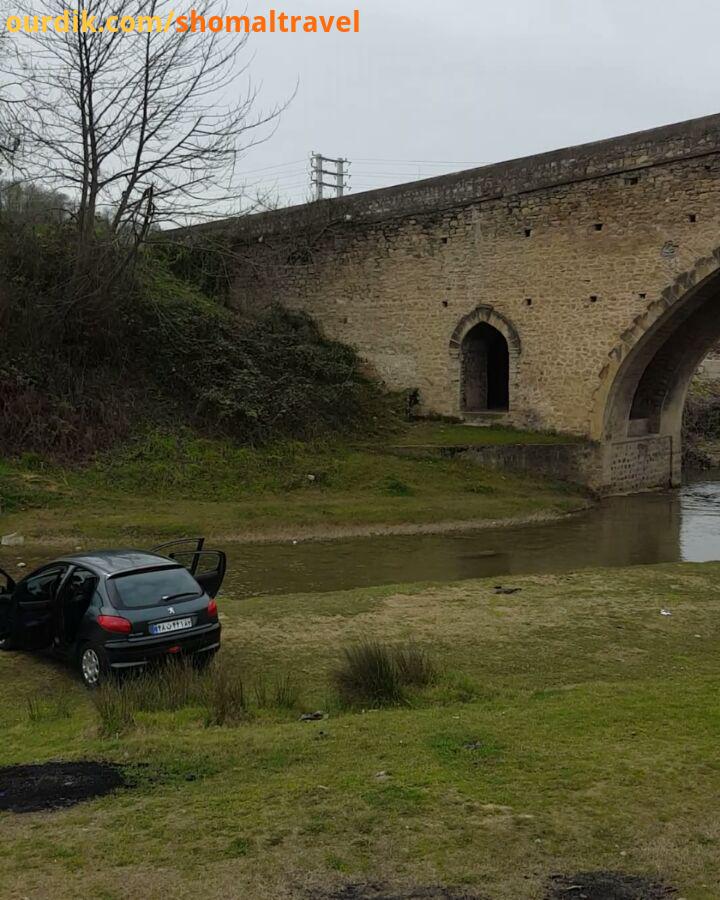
(142, 130)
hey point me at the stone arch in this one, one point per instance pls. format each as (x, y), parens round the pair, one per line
(473, 322)
(644, 384)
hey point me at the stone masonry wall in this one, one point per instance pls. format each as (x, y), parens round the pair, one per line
(575, 462)
(640, 463)
(569, 247)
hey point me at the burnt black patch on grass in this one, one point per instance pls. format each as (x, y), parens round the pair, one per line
(607, 886)
(56, 785)
(376, 891)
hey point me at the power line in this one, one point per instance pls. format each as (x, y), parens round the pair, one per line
(429, 162)
(284, 165)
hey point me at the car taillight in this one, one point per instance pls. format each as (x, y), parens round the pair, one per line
(212, 609)
(115, 624)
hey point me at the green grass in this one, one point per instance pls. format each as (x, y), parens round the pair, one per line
(570, 727)
(443, 434)
(174, 484)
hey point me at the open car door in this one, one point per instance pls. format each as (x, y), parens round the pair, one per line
(207, 567)
(7, 586)
(184, 546)
(33, 613)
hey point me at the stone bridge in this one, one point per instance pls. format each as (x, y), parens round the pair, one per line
(575, 291)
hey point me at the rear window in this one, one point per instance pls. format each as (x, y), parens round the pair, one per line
(155, 588)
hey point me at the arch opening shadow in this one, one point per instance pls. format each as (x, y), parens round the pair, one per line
(649, 389)
(485, 370)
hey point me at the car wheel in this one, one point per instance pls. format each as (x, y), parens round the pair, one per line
(6, 642)
(93, 665)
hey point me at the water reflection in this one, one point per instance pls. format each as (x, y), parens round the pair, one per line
(621, 531)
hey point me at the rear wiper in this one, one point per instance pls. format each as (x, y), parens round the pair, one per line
(183, 594)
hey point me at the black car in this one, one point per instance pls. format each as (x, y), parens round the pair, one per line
(117, 610)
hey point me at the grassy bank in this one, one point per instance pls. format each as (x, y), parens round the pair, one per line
(571, 727)
(168, 484)
(446, 434)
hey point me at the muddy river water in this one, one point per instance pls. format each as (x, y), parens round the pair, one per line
(682, 525)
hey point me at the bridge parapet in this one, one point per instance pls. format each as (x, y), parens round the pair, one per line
(571, 165)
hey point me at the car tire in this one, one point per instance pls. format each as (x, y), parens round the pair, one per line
(6, 642)
(93, 665)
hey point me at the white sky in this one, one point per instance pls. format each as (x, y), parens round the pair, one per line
(464, 82)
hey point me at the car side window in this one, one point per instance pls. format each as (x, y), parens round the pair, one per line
(80, 587)
(41, 587)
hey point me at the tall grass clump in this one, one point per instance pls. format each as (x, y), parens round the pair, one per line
(225, 697)
(116, 703)
(172, 686)
(282, 693)
(56, 707)
(378, 674)
(218, 693)
(415, 666)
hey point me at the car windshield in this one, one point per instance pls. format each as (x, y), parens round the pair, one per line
(155, 588)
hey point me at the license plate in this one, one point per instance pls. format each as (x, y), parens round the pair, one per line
(167, 627)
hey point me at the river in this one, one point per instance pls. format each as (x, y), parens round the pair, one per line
(673, 526)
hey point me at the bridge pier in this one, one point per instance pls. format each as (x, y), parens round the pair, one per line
(641, 463)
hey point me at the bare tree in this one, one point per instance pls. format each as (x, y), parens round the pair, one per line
(141, 130)
(9, 137)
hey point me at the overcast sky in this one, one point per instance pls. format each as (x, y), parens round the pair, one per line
(452, 83)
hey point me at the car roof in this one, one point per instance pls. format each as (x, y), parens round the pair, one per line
(112, 562)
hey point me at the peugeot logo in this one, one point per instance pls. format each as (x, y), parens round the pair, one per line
(171, 610)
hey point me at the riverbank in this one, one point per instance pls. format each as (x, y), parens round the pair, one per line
(572, 728)
(169, 486)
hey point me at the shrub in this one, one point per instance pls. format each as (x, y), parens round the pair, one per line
(369, 673)
(377, 674)
(84, 369)
(394, 487)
